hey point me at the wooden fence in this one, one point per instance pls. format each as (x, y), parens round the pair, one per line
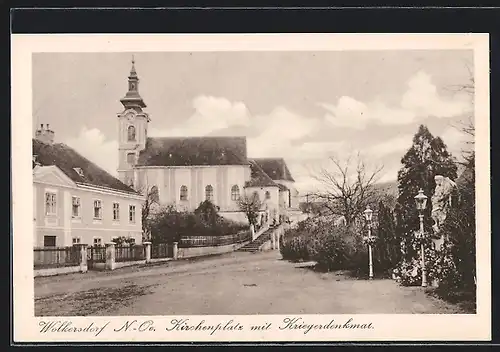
(96, 254)
(129, 253)
(162, 250)
(214, 241)
(55, 257)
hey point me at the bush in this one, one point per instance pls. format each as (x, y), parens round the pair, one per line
(409, 271)
(169, 225)
(332, 247)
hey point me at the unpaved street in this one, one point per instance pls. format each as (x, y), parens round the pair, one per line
(235, 283)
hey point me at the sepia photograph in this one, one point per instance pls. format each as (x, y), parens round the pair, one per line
(253, 182)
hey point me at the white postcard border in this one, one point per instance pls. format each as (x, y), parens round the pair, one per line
(386, 327)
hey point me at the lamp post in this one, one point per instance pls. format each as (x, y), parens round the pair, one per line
(368, 216)
(421, 202)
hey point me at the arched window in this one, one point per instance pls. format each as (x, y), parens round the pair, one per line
(235, 193)
(209, 193)
(184, 193)
(268, 195)
(131, 158)
(131, 133)
(256, 195)
(154, 195)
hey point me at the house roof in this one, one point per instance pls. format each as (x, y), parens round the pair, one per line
(276, 168)
(192, 151)
(258, 178)
(282, 187)
(67, 159)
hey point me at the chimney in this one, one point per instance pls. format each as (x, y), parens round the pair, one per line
(45, 135)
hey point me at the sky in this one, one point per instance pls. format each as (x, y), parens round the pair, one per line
(303, 106)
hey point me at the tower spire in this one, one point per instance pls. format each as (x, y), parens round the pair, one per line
(133, 73)
(132, 98)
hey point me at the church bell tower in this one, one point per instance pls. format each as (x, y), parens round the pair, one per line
(132, 129)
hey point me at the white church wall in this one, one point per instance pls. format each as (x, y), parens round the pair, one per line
(170, 179)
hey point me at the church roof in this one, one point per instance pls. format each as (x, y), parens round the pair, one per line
(258, 178)
(75, 166)
(194, 151)
(276, 168)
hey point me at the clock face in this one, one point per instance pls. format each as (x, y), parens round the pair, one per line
(130, 115)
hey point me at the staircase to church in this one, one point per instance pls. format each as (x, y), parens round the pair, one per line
(255, 245)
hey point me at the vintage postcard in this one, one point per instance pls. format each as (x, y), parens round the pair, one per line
(295, 187)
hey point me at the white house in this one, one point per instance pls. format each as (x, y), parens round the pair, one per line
(75, 201)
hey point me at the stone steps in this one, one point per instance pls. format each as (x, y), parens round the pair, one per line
(258, 242)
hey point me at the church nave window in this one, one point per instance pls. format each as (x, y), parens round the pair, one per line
(209, 193)
(235, 193)
(184, 193)
(268, 195)
(154, 194)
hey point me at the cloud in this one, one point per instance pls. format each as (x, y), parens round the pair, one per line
(211, 114)
(92, 144)
(420, 100)
(455, 140)
(394, 145)
(277, 132)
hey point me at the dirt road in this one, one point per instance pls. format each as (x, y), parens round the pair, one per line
(235, 283)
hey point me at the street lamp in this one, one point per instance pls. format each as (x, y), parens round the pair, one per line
(421, 202)
(368, 216)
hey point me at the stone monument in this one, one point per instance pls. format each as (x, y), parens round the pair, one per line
(441, 203)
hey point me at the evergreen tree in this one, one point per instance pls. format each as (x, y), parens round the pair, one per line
(388, 246)
(459, 230)
(426, 158)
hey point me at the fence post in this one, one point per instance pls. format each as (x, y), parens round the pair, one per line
(110, 256)
(274, 240)
(83, 257)
(147, 246)
(174, 250)
(278, 237)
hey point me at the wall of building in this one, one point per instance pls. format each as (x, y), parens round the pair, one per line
(64, 226)
(170, 179)
(271, 204)
(294, 196)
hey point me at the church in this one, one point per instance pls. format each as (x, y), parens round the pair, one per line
(185, 171)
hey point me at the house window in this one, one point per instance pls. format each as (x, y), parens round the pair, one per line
(209, 193)
(97, 209)
(184, 193)
(155, 196)
(235, 192)
(75, 209)
(50, 203)
(268, 195)
(77, 240)
(131, 158)
(49, 241)
(131, 133)
(116, 211)
(131, 213)
(97, 241)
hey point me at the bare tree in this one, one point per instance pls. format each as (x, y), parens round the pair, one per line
(467, 126)
(151, 201)
(250, 205)
(347, 187)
